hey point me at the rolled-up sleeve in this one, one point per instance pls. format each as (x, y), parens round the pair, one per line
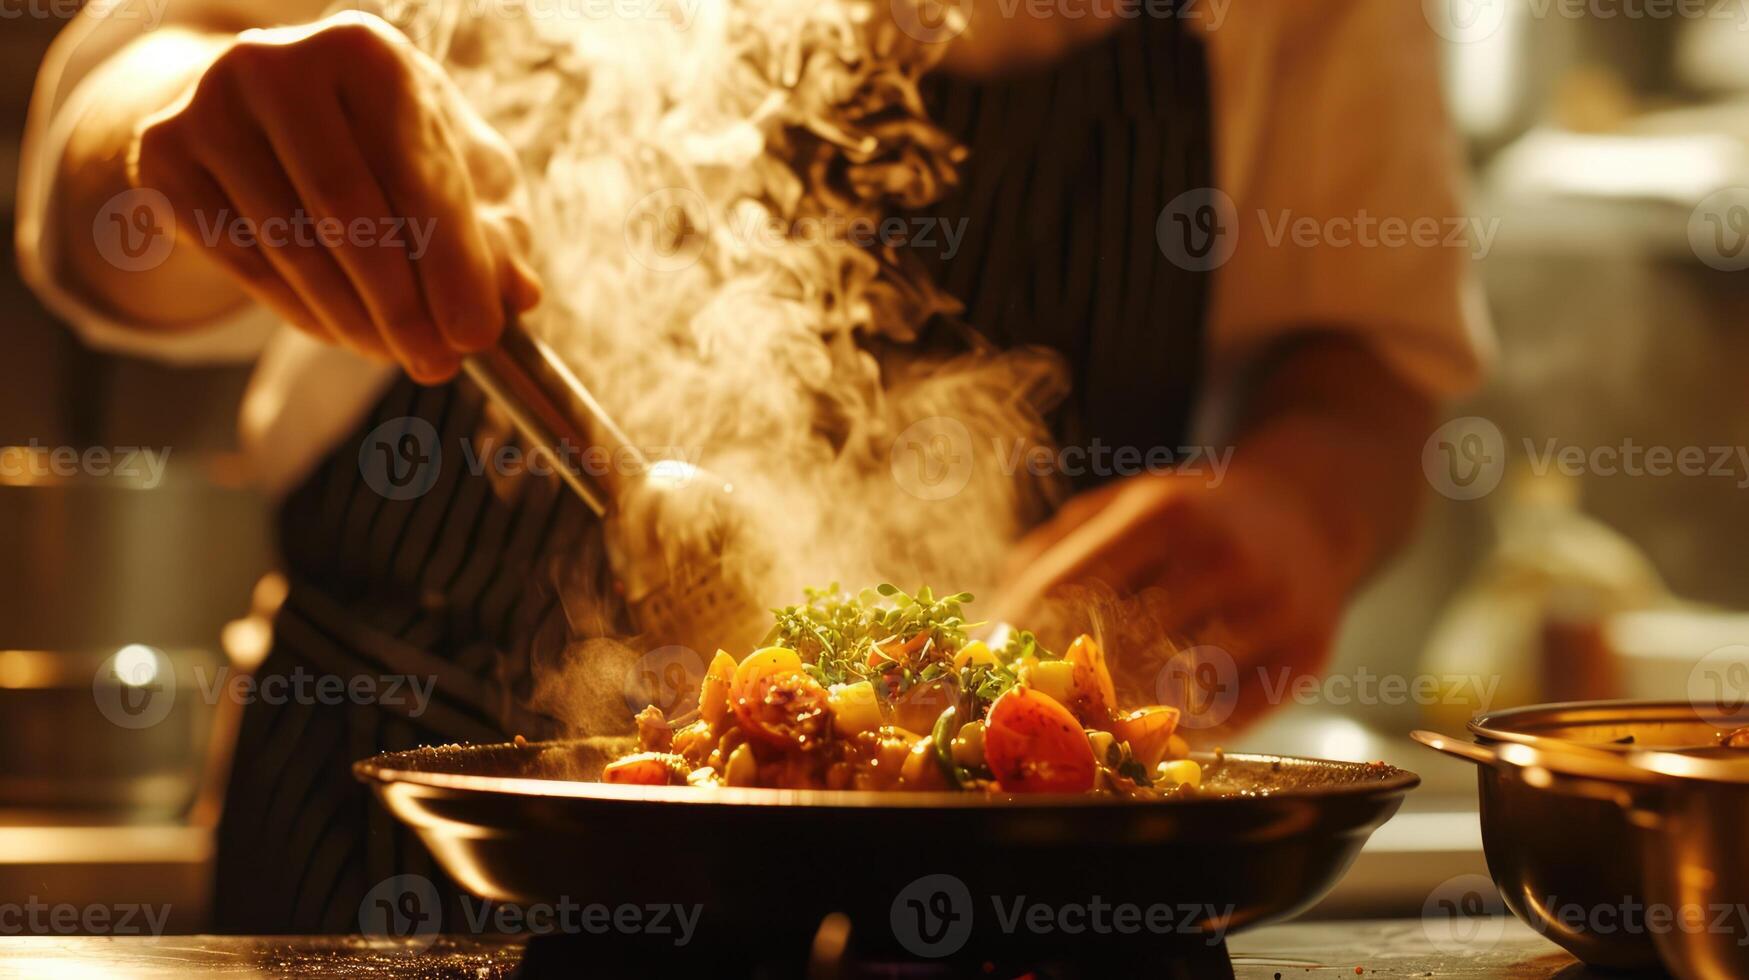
(59, 101)
(1345, 178)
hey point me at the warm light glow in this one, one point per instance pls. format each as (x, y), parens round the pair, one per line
(1343, 740)
(269, 594)
(20, 669)
(673, 473)
(247, 641)
(1484, 80)
(136, 665)
(25, 466)
(1680, 169)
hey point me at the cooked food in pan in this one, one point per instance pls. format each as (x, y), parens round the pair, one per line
(886, 691)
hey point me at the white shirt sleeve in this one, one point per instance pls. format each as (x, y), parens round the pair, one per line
(1333, 144)
(56, 107)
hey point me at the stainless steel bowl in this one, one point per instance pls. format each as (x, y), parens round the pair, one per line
(1617, 829)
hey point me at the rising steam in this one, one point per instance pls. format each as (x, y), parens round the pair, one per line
(691, 176)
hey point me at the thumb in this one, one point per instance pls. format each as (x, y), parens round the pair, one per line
(524, 291)
(517, 281)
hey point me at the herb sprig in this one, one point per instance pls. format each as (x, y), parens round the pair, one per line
(847, 638)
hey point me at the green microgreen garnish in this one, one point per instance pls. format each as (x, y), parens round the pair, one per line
(898, 640)
(882, 632)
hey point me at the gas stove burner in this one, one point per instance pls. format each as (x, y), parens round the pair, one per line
(833, 956)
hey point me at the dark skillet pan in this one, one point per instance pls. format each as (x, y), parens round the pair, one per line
(1266, 839)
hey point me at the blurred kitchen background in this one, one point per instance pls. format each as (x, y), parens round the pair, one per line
(89, 810)
(1595, 141)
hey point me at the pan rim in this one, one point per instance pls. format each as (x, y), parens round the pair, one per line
(1493, 725)
(1672, 763)
(381, 771)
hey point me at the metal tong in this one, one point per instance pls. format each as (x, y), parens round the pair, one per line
(552, 409)
(686, 600)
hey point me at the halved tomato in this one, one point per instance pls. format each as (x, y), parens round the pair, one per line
(1092, 672)
(1149, 732)
(1035, 745)
(776, 702)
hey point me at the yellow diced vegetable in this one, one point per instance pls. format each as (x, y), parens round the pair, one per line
(1055, 678)
(1102, 743)
(917, 709)
(1181, 772)
(972, 654)
(854, 708)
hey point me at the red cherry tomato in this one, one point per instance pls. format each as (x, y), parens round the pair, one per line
(1034, 745)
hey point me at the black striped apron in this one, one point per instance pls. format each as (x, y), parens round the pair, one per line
(1070, 167)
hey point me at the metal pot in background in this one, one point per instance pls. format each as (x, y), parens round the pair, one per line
(151, 555)
(157, 548)
(118, 733)
(1616, 829)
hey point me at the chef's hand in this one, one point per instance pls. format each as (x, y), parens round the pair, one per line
(1259, 562)
(387, 215)
(1240, 563)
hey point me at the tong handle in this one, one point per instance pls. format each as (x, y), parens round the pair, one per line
(553, 410)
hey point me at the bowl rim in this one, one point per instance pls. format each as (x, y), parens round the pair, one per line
(390, 770)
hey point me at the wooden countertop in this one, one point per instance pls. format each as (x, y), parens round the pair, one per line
(1498, 951)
